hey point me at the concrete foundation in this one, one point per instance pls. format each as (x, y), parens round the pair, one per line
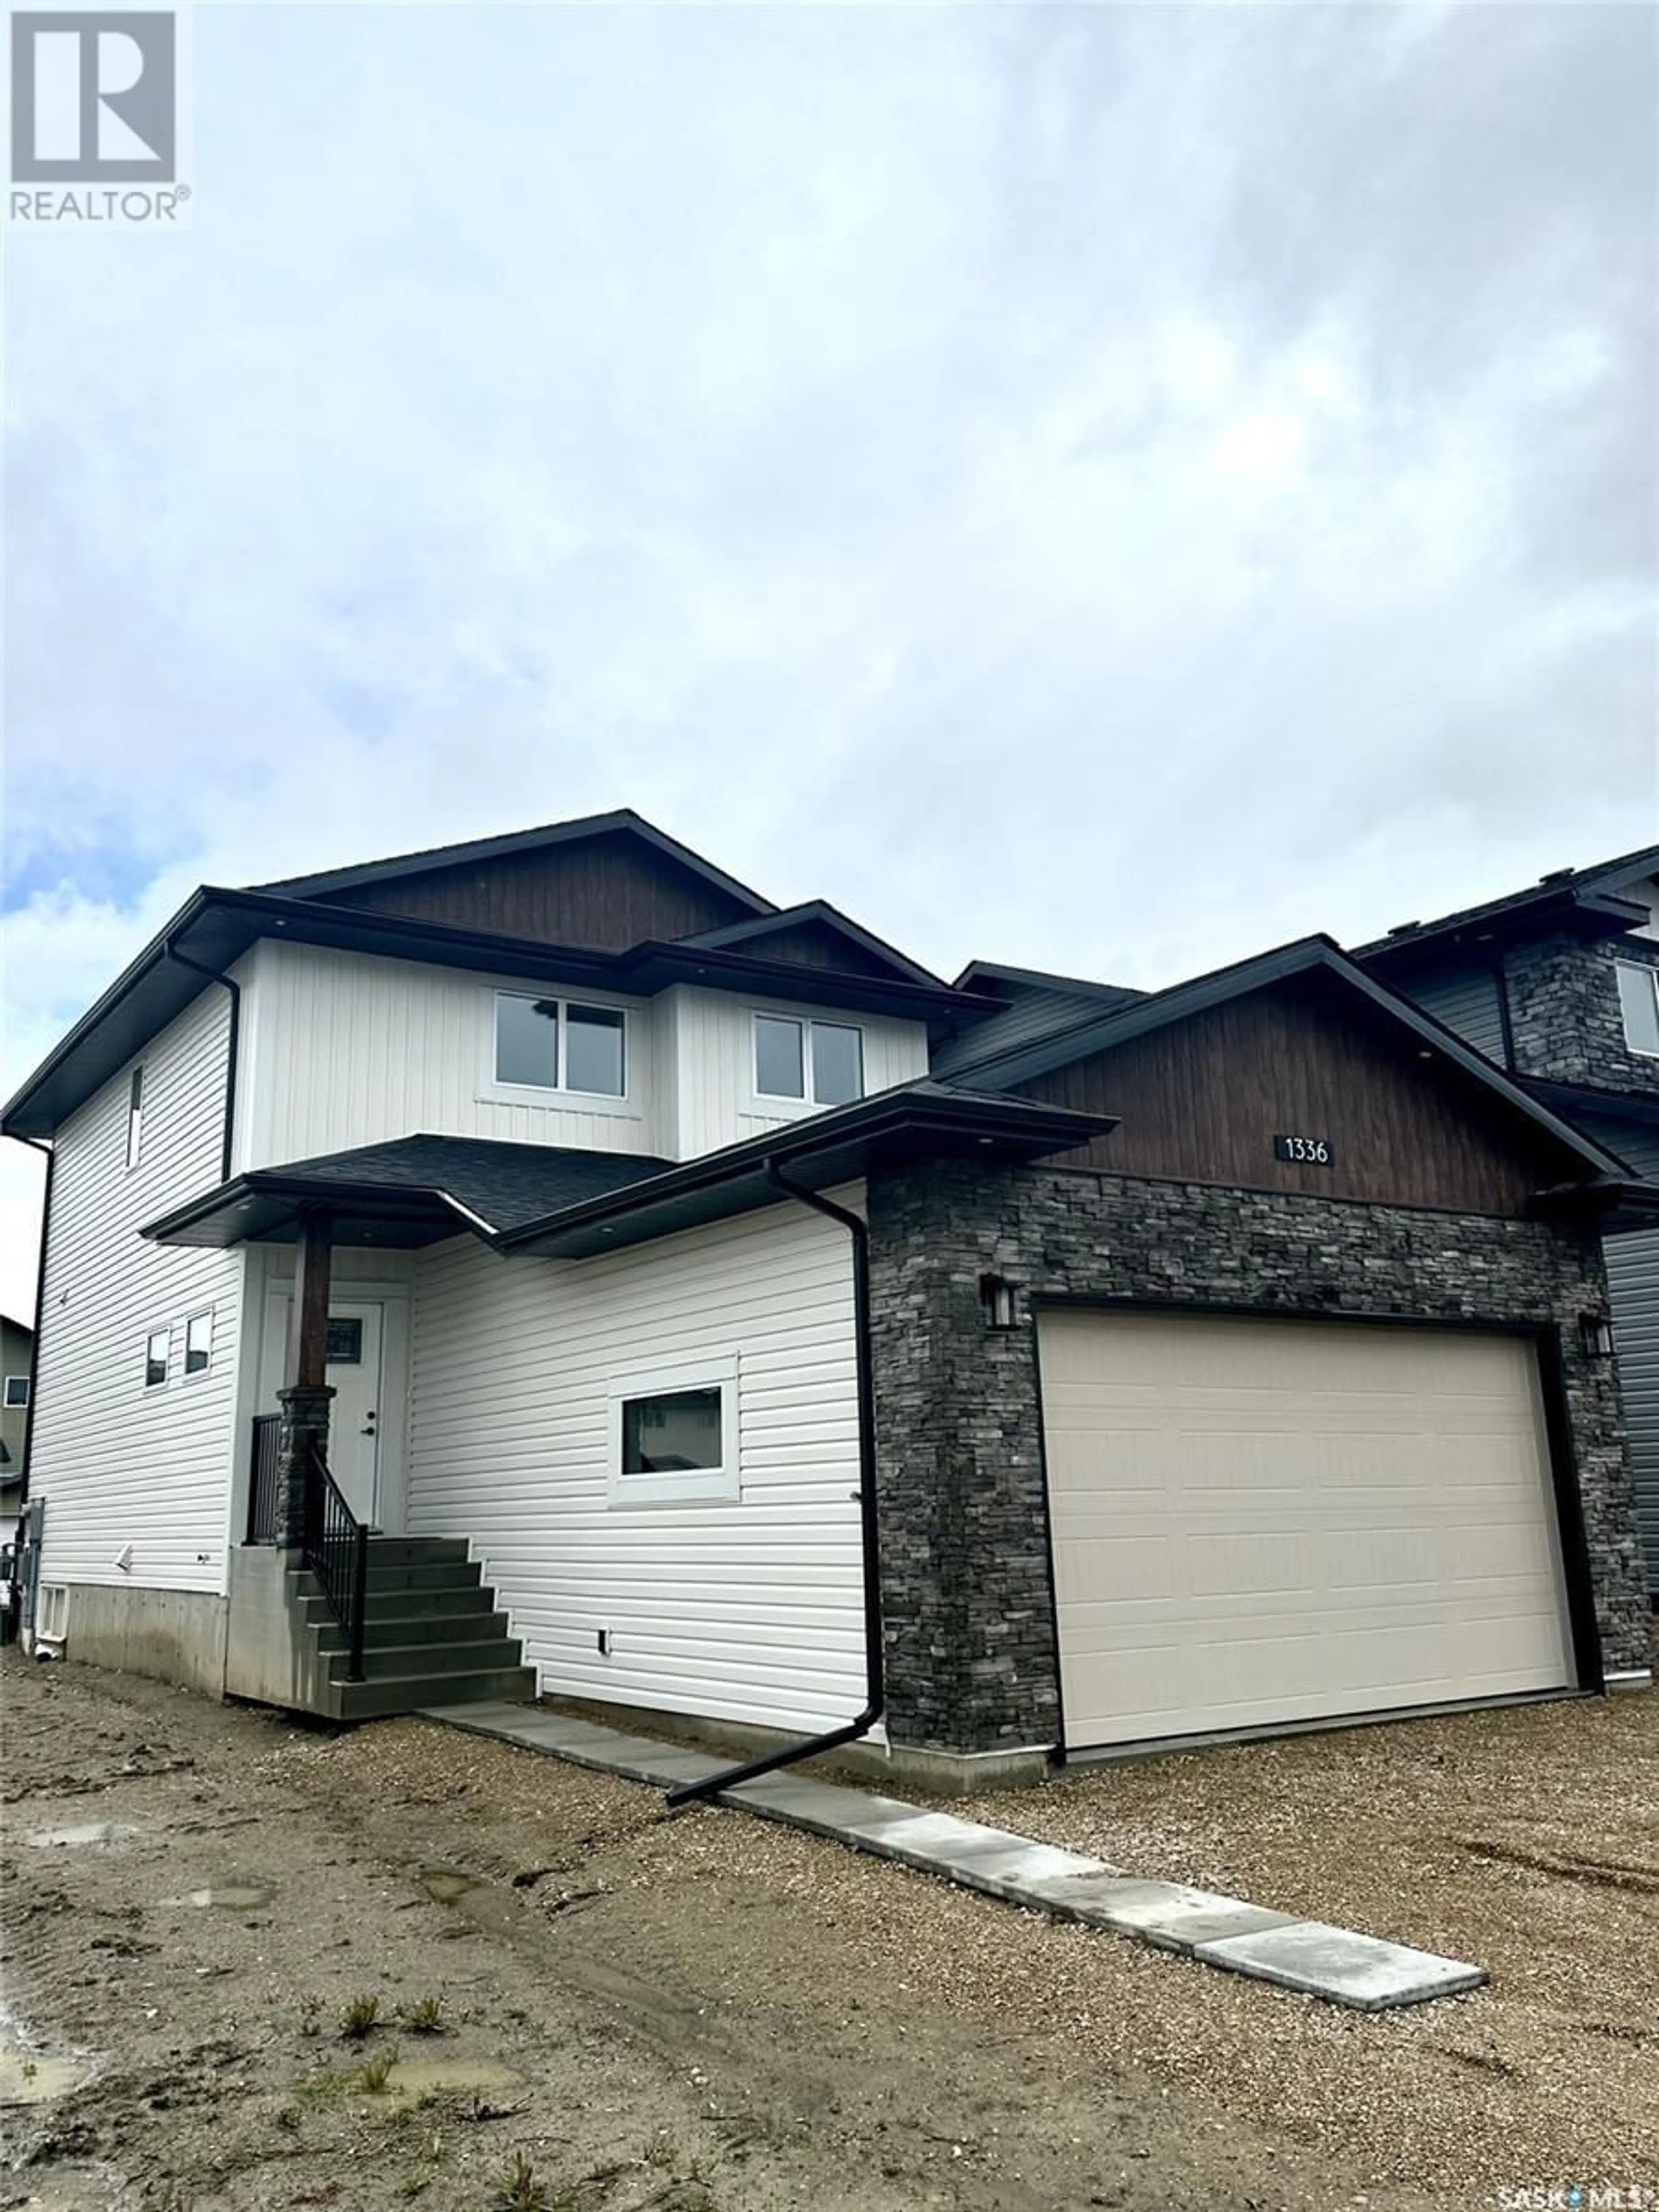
(269, 1658)
(171, 1636)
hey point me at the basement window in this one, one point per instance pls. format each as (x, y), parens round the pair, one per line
(821, 1063)
(1638, 996)
(674, 1437)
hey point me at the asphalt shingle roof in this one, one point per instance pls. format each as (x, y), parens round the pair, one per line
(506, 1184)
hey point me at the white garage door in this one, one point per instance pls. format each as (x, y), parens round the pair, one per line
(1263, 1522)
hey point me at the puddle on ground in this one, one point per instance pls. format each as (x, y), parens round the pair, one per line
(445, 1884)
(86, 1832)
(227, 1896)
(27, 2077)
(433, 2077)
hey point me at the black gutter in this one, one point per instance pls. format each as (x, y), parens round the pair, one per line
(728, 1777)
(39, 1316)
(232, 1045)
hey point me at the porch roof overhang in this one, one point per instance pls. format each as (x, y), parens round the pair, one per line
(548, 1202)
(402, 1195)
(1611, 1205)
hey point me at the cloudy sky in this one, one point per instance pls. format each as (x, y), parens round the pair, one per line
(1103, 486)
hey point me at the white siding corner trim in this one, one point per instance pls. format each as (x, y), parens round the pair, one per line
(747, 1608)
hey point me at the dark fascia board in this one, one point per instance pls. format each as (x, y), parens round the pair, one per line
(1586, 898)
(921, 1117)
(1306, 955)
(1570, 1098)
(622, 819)
(215, 927)
(737, 933)
(1619, 1204)
(250, 1207)
(1037, 979)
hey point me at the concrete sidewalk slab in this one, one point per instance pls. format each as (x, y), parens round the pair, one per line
(1308, 1956)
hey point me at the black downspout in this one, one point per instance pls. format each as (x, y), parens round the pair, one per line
(231, 1044)
(1505, 1025)
(728, 1777)
(39, 1316)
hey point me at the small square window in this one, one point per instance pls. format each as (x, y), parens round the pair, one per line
(780, 1062)
(199, 1343)
(1638, 997)
(157, 1345)
(17, 1392)
(344, 1342)
(674, 1437)
(135, 1117)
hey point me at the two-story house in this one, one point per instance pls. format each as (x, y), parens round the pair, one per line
(16, 1369)
(1559, 984)
(546, 1265)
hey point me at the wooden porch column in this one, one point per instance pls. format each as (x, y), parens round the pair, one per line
(305, 1400)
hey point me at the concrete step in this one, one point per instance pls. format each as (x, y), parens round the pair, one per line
(471, 1600)
(415, 1551)
(384, 1662)
(405, 1628)
(437, 1575)
(407, 1693)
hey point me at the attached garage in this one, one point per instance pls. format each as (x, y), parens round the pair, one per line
(1261, 1521)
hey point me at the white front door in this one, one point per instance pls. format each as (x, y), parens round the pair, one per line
(356, 1333)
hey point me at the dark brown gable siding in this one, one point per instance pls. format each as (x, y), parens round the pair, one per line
(609, 892)
(1202, 1101)
(809, 944)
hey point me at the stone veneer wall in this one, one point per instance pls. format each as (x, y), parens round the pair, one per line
(1566, 1016)
(972, 1664)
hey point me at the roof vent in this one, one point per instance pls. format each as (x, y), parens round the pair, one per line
(1558, 875)
(1400, 927)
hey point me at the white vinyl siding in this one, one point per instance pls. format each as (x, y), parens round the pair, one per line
(708, 1037)
(352, 1049)
(748, 1610)
(118, 1463)
(1260, 1523)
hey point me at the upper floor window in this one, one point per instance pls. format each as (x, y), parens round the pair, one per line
(135, 1116)
(157, 1345)
(558, 1044)
(17, 1392)
(821, 1062)
(1638, 994)
(199, 1343)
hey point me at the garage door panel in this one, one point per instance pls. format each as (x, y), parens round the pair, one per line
(1271, 1522)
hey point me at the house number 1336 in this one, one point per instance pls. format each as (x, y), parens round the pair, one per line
(1317, 1152)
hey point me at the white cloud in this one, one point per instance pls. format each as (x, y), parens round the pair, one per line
(1109, 487)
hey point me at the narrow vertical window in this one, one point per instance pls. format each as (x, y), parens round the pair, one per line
(1638, 996)
(156, 1347)
(199, 1343)
(135, 1116)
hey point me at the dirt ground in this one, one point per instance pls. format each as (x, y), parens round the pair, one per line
(694, 2013)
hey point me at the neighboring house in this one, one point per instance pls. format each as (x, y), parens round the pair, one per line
(1559, 984)
(16, 1366)
(714, 1313)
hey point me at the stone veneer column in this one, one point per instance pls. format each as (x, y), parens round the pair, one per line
(303, 1423)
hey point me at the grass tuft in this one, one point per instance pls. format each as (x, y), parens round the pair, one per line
(358, 2020)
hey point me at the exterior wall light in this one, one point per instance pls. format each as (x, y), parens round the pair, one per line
(997, 1294)
(1595, 1336)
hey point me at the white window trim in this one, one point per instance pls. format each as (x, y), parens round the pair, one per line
(1638, 968)
(806, 1101)
(162, 1328)
(15, 1405)
(187, 1374)
(697, 1485)
(493, 1090)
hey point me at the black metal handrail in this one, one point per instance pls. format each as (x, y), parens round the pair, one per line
(335, 1549)
(261, 1489)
